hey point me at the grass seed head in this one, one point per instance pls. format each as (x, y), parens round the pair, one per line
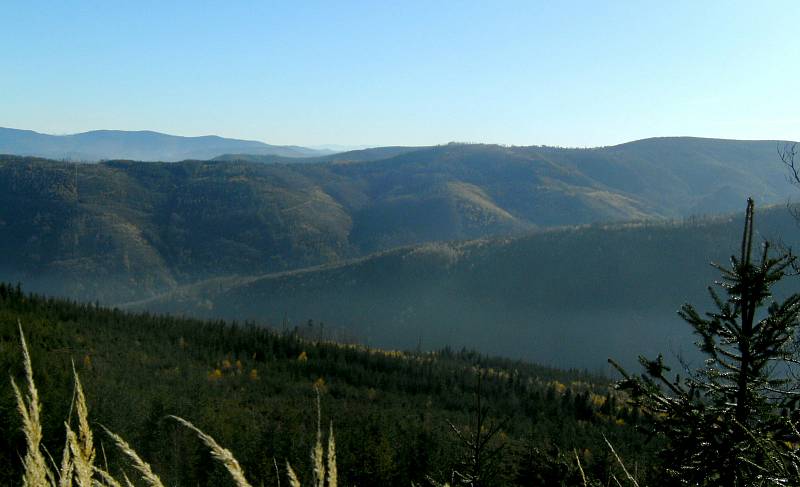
(293, 480)
(36, 471)
(143, 467)
(332, 471)
(220, 454)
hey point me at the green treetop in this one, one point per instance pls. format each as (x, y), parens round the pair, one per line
(724, 423)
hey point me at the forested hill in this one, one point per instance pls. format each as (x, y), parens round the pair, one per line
(253, 391)
(358, 155)
(145, 145)
(567, 297)
(122, 230)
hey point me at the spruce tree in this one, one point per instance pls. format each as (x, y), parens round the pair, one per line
(723, 423)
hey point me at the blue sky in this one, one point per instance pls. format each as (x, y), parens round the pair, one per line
(405, 73)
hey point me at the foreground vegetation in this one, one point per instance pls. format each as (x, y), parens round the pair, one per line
(399, 417)
(79, 461)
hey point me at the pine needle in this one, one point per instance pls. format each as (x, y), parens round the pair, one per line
(220, 454)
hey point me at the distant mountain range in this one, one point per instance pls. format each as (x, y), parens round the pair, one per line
(143, 145)
(238, 236)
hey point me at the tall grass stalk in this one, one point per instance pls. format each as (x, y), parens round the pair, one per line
(580, 468)
(83, 469)
(293, 480)
(319, 472)
(332, 471)
(85, 437)
(317, 460)
(628, 475)
(36, 471)
(106, 478)
(67, 467)
(219, 453)
(82, 442)
(143, 467)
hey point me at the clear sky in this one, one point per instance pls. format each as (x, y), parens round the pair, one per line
(404, 73)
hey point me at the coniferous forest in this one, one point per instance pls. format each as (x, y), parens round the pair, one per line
(253, 390)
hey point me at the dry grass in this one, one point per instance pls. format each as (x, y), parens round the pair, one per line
(628, 475)
(78, 456)
(220, 454)
(67, 468)
(332, 472)
(146, 473)
(319, 473)
(293, 481)
(36, 472)
(82, 443)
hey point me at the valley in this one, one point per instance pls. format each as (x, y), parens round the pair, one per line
(566, 297)
(513, 250)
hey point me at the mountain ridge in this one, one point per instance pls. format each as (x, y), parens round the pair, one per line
(107, 144)
(149, 227)
(124, 231)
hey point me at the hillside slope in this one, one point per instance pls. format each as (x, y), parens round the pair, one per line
(122, 230)
(358, 155)
(569, 297)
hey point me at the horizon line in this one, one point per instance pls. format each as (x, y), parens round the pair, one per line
(355, 147)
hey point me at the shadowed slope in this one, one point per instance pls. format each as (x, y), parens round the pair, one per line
(570, 297)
